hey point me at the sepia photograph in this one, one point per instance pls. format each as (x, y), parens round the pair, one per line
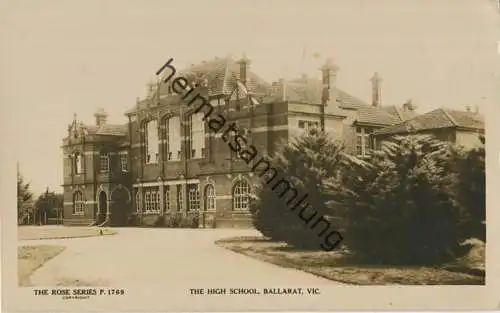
(250, 156)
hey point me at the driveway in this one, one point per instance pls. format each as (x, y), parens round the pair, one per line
(161, 265)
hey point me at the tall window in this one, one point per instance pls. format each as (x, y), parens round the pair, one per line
(209, 198)
(174, 138)
(152, 200)
(167, 198)
(197, 135)
(124, 161)
(78, 204)
(78, 163)
(166, 144)
(241, 199)
(193, 197)
(180, 198)
(104, 162)
(152, 142)
(363, 141)
(138, 201)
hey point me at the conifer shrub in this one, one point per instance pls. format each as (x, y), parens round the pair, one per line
(470, 190)
(400, 206)
(304, 163)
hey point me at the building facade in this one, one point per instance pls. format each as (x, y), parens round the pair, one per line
(165, 161)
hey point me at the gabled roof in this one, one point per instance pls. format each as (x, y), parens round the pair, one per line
(221, 76)
(439, 118)
(310, 91)
(107, 130)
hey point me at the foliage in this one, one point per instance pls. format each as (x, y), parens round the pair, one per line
(471, 189)
(305, 163)
(49, 204)
(400, 207)
(24, 196)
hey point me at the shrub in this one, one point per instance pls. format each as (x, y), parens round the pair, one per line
(133, 220)
(470, 190)
(173, 220)
(305, 163)
(400, 207)
(159, 221)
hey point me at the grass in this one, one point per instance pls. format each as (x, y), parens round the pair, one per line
(30, 258)
(60, 232)
(332, 265)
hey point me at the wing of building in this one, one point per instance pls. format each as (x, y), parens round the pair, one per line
(167, 161)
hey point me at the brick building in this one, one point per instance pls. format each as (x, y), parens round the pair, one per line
(166, 161)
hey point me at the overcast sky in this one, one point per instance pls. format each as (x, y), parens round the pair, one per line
(63, 57)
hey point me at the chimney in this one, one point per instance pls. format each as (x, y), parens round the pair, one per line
(376, 90)
(244, 63)
(408, 105)
(329, 80)
(100, 117)
(282, 83)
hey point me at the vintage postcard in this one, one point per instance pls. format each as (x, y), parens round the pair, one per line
(181, 156)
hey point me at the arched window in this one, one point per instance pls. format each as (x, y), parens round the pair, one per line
(138, 201)
(78, 203)
(209, 198)
(241, 199)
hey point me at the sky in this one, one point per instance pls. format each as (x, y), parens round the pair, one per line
(58, 58)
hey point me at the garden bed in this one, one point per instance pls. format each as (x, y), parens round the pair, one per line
(30, 258)
(333, 265)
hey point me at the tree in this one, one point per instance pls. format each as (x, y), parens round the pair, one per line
(48, 205)
(401, 208)
(24, 196)
(304, 163)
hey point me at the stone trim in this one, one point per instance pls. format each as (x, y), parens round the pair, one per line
(167, 183)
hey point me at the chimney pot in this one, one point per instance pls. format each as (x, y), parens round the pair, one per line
(329, 80)
(376, 89)
(244, 63)
(100, 117)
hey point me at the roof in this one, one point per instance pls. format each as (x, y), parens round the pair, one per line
(439, 118)
(107, 130)
(310, 91)
(221, 76)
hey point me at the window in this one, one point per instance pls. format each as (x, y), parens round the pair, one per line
(138, 201)
(193, 197)
(166, 144)
(152, 200)
(167, 198)
(209, 198)
(180, 198)
(152, 142)
(78, 163)
(197, 135)
(174, 139)
(308, 125)
(124, 162)
(78, 203)
(364, 143)
(241, 199)
(104, 162)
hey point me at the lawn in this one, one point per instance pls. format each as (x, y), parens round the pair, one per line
(30, 258)
(60, 232)
(332, 265)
